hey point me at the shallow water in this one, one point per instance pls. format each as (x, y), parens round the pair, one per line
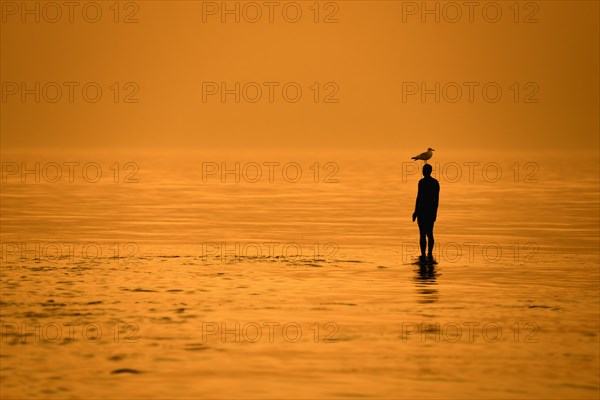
(174, 287)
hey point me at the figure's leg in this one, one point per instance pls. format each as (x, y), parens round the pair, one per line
(422, 235)
(430, 240)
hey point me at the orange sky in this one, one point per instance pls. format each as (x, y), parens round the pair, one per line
(369, 54)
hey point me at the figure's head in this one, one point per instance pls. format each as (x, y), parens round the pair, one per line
(430, 149)
(427, 170)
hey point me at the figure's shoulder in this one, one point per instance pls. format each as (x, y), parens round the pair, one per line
(433, 183)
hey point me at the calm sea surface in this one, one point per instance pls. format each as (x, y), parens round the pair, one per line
(293, 275)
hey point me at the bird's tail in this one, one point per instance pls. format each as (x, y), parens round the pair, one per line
(414, 158)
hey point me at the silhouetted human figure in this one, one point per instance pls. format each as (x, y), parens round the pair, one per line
(426, 210)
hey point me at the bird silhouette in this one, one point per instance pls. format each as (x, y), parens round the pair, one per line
(425, 156)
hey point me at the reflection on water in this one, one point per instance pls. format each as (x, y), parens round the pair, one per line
(167, 260)
(425, 282)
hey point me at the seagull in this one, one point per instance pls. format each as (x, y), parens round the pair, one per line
(424, 156)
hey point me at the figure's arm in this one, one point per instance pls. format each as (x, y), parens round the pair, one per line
(436, 201)
(414, 216)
